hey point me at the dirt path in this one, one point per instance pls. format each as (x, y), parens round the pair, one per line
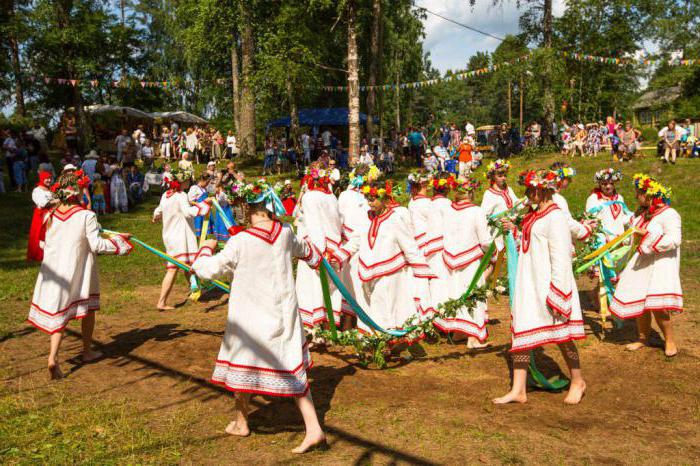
(640, 407)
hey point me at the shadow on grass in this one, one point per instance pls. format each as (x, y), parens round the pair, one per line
(278, 415)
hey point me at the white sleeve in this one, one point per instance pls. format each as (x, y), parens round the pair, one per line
(210, 266)
(192, 211)
(303, 250)
(668, 240)
(409, 246)
(591, 202)
(116, 244)
(39, 198)
(482, 230)
(559, 297)
(158, 212)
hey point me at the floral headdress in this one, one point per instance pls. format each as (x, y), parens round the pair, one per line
(443, 183)
(378, 190)
(363, 173)
(563, 169)
(177, 176)
(316, 177)
(69, 186)
(608, 175)
(545, 179)
(653, 188)
(468, 185)
(496, 166)
(233, 191)
(260, 191)
(418, 177)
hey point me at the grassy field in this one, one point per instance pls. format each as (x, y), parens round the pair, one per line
(150, 401)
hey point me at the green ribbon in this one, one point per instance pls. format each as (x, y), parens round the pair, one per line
(327, 301)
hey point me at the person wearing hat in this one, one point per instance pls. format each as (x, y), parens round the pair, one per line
(264, 349)
(178, 214)
(465, 157)
(68, 286)
(89, 166)
(44, 200)
(466, 236)
(650, 284)
(546, 306)
(430, 161)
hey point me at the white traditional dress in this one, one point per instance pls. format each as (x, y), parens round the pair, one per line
(318, 222)
(440, 209)
(264, 349)
(420, 207)
(465, 239)
(610, 212)
(178, 225)
(546, 306)
(496, 201)
(353, 209)
(389, 265)
(578, 230)
(651, 280)
(68, 285)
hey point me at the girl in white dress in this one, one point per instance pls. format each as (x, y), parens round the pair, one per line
(177, 215)
(651, 283)
(545, 306)
(389, 262)
(318, 221)
(607, 205)
(465, 239)
(419, 207)
(117, 190)
(440, 209)
(264, 350)
(68, 284)
(499, 197)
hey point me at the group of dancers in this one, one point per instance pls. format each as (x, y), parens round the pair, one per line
(397, 262)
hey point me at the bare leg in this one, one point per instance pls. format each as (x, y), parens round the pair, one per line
(474, 343)
(663, 320)
(54, 369)
(239, 426)
(88, 327)
(578, 386)
(518, 392)
(166, 288)
(314, 433)
(644, 328)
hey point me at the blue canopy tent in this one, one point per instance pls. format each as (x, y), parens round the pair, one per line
(316, 117)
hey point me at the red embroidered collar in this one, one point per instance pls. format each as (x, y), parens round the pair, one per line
(439, 196)
(65, 215)
(265, 235)
(461, 205)
(419, 196)
(170, 192)
(528, 222)
(374, 226)
(504, 194)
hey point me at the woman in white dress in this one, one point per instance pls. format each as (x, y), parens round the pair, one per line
(545, 306)
(499, 197)
(318, 221)
(651, 283)
(389, 262)
(420, 207)
(466, 238)
(178, 214)
(44, 199)
(68, 284)
(264, 350)
(440, 208)
(607, 205)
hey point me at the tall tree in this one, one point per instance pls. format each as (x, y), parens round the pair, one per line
(374, 64)
(353, 82)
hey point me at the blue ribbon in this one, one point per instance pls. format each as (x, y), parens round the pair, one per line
(272, 202)
(602, 206)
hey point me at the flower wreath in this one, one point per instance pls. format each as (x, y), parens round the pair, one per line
(377, 191)
(608, 175)
(418, 177)
(69, 186)
(563, 170)
(468, 185)
(496, 166)
(179, 176)
(363, 173)
(316, 177)
(443, 183)
(653, 188)
(545, 179)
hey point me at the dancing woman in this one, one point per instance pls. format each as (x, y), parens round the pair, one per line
(545, 307)
(68, 284)
(651, 282)
(264, 350)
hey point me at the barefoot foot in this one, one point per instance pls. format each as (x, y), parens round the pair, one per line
(576, 393)
(473, 343)
(637, 345)
(316, 441)
(91, 355)
(164, 307)
(511, 397)
(55, 371)
(238, 429)
(671, 350)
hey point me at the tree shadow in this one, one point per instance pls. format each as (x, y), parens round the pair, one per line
(18, 333)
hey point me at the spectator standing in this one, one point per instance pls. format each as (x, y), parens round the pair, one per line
(146, 154)
(90, 164)
(465, 158)
(231, 149)
(469, 128)
(165, 144)
(306, 147)
(9, 145)
(121, 142)
(191, 143)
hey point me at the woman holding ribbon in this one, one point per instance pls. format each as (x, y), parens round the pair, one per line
(545, 307)
(651, 283)
(499, 197)
(179, 238)
(264, 350)
(68, 284)
(607, 205)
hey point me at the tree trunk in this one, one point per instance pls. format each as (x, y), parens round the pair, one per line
(398, 102)
(86, 138)
(294, 114)
(548, 100)
(247, 116)
(510, 106)
(16, 70)
(236, 96)
(353, 84)
(521, 91)
(374, 58)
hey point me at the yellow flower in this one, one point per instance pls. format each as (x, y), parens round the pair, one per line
(442, 182)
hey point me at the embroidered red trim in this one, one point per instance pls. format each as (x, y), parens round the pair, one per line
(265, 235)
(529, 221)
(63, 216)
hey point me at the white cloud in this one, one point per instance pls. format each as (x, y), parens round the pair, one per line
(451, 45)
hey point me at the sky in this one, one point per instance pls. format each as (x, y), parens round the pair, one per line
(450, 45)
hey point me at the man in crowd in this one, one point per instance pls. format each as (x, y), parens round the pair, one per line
(121, 142)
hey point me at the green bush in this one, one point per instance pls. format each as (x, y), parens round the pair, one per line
(650, 134)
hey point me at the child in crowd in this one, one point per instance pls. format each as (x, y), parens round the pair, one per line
(98, 195)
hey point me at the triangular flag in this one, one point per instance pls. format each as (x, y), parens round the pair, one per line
(73, 82)
(143, 84)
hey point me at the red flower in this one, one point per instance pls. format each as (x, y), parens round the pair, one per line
(55, 187)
